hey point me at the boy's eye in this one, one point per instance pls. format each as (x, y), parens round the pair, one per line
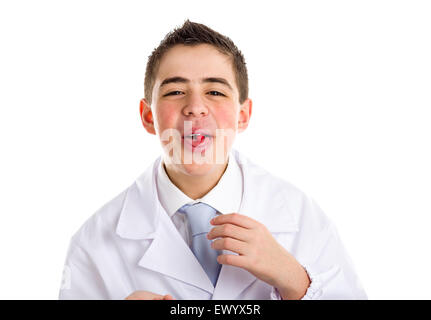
(173, 93)
(216, 93)
(177, 92)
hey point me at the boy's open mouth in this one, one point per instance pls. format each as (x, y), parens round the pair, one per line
(197, 138)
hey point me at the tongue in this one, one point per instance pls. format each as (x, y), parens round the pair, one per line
(197, 141)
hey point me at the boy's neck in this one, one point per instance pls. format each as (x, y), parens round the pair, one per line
(195, 187)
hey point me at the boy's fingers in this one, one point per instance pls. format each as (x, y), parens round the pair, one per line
(229, 230)
(236, 219)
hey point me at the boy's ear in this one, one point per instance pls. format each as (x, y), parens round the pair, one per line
(146, 116)
(244, 115)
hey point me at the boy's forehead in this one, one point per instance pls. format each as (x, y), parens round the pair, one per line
(194, 62)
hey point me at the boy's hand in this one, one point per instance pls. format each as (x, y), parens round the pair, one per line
(259, 253)
(146, 295)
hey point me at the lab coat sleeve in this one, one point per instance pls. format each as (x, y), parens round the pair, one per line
(81, 278)
(330, 270)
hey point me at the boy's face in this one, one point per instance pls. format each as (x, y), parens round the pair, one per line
(195, 109)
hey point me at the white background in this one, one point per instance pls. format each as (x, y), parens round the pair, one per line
(342, 98)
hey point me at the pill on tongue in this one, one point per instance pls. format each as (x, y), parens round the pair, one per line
(197, 140)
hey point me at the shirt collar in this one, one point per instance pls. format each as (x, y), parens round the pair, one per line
(225, 197)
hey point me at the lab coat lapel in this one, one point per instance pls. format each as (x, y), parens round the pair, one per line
(265, 203)
(142, 217)
(170, 255)
(231, 282)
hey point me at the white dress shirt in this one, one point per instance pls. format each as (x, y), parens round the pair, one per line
(225, 197)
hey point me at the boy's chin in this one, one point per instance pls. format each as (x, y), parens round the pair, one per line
(197, 164)
(199, 169)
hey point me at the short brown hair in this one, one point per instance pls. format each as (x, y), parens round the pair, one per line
(191, 34)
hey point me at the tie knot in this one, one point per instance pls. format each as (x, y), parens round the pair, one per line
(199, 216)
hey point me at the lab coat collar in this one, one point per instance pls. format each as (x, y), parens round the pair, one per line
(136, 221)
(263, 200)
(266, 198)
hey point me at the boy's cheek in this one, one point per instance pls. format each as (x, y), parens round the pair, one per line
(226, 120)
(166, 119)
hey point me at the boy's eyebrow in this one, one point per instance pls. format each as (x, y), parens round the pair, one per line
(218, 80)
(174, 79)
(184, 80)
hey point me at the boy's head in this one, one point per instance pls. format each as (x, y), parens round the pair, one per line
(196, 98)
(192, 34)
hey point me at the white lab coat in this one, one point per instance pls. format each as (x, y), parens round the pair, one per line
(131, 244)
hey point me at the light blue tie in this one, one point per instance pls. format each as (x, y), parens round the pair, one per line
(199, 216)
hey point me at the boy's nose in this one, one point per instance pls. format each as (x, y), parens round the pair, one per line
(195, 106)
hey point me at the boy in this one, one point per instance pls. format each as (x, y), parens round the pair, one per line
(203, 222)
